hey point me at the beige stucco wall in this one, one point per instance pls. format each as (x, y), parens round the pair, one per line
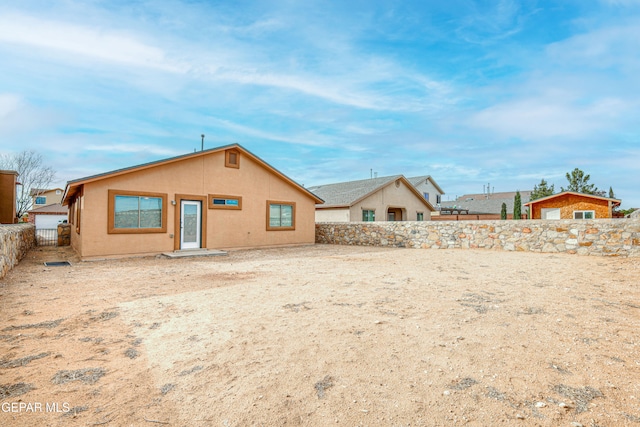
(198, 176)
(51, 196)
(426, 186)
(334, 215)
(392, 196)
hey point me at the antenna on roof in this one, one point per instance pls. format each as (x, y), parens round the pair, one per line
(202, 148)
(486, 190)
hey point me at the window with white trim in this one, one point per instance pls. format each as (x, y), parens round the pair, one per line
(584, 214)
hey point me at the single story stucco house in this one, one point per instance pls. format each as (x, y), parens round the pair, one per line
(571, 205)
(220, 198)
(390, 198)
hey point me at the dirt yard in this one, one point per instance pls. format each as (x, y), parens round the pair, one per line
(322, 335)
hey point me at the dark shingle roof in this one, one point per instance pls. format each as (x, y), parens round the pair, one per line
(418, 179)
(492, 204)
(348, 193)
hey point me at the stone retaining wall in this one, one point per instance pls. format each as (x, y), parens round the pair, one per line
(15, 242)
(64, 234)
(620, 237)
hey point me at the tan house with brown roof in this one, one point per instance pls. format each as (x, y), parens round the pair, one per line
(571, 205)
(44, 197)
(220, 198)
(390, 198)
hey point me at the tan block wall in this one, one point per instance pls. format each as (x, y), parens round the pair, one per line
(569, 203)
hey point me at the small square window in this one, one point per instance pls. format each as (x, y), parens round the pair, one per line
(420, 216)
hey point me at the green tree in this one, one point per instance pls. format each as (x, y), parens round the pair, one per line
(517, 206)
(579, 183)
(503, 212)
(542, 190)
(611, 193)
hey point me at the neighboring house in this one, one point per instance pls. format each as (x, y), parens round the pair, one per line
(428, 188)
(221, 198)
(49, 216)
(43, 197)
(488, 204)
(8, 182)
(570, 205)
(391, 198)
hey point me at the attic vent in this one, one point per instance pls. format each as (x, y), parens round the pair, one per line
(397, 183)
(232, 159)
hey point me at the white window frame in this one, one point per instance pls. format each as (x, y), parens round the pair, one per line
(593, 214)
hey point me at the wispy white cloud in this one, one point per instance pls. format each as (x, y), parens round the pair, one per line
(363, 84)
(499, 21)
(101, 44)
(309, 138)
(114, 149)
(19, 117)
(538, 118)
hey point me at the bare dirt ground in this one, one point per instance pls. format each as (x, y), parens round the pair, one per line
(322, 335)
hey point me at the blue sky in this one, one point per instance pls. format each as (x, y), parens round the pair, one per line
(469, 92)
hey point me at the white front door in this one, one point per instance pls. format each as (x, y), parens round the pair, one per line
(190, 224)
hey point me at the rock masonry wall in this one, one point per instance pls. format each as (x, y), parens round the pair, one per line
(617, 237)
(15, 241)
(64, 234)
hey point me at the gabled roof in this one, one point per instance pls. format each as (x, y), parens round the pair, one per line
(73, 187)
(615, 202)
(418, 179)
(39, 191)
(500, 195)
(488, 205)
(347, 194)
(53, 208)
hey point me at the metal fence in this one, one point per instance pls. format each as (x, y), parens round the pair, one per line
(47, 237)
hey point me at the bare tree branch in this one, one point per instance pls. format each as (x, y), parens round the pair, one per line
(32, 174)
